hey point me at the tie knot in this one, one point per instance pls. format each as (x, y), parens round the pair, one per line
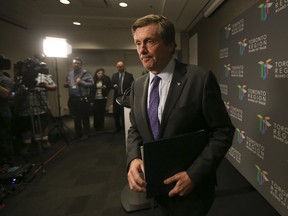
(156, 80)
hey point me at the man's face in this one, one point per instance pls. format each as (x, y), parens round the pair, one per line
(76, 64)
(152, 51)
(120, 66)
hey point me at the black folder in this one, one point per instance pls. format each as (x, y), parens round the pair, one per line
(166, 157)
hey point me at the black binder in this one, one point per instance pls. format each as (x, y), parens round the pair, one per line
(166, 157)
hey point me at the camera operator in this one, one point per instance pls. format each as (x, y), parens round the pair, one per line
(6, 88)
(35, 106)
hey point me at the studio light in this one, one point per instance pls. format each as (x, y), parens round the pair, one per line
(56, 47)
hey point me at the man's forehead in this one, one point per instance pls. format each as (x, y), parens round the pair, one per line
(144, 33)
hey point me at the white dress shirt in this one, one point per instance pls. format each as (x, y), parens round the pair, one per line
(166, 76)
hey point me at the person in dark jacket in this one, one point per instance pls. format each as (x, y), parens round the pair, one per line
(99, 93)
(121, 82)
(79, 82)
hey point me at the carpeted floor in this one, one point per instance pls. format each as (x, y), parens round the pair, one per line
(87, 178)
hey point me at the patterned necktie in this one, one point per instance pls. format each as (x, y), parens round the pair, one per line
(153, 107)
(120, 86)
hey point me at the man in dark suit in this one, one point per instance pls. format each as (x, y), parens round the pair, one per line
(190, 100)
(121, 81)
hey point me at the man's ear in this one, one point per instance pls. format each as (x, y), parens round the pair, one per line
(172, 47)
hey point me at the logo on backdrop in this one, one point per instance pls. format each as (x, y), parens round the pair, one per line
(237, 71)
(227, 69)
(257, 96)
(279, 192)
(236, 113)
(234, 28)
(224, 89)
(264, 8)
(227, 105)
(261, 175)
(281, 69)
(242, 46)
(280, 132)
(253, 45)
(235, 154)
(265, 66)
(258, 43)
(263, 123)
(280, 5)
(242, 91)
(227, 31)
(224, 53)
(255, 147)
(240, 136)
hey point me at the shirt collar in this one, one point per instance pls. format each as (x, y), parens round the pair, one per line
(166, 73)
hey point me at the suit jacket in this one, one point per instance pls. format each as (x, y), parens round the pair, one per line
(127, 81)
(194, 102)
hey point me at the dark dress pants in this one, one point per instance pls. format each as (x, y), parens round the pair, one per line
(80, 110)
(99, 113)
(118, 113)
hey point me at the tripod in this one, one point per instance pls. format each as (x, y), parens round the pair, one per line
(35, 107)
(59, 125)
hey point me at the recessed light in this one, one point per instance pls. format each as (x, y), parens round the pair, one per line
(65, 1)
(77, 23)
(123, 4)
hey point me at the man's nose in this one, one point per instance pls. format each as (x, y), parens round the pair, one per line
(142, 48)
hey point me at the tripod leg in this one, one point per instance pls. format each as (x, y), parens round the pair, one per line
(58, 123)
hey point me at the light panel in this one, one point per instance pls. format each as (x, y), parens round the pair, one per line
(56, 47)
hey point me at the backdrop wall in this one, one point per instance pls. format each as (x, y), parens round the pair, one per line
(253, 66)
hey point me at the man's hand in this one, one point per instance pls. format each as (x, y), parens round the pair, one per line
(78, 81)
(136, 182)
(42, 85)
(183, 185)
(66, 85)
(47, 86)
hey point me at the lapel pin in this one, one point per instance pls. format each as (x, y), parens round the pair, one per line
(178, 83)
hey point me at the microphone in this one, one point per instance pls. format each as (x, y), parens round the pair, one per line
(124, 100)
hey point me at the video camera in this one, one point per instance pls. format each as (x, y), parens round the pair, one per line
(5, 64)
(27, 71)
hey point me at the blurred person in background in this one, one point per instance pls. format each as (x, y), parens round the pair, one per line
(99, 94)
(79, 82)
(121, 82)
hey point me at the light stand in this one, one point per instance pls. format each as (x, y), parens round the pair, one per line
(57, 48)
(58, 92)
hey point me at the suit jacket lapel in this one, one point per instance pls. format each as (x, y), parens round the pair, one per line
(176, 86)
(143, 94)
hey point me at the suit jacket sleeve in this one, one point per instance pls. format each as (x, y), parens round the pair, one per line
(134, 139)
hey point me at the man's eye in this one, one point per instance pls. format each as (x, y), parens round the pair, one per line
(150, 42)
